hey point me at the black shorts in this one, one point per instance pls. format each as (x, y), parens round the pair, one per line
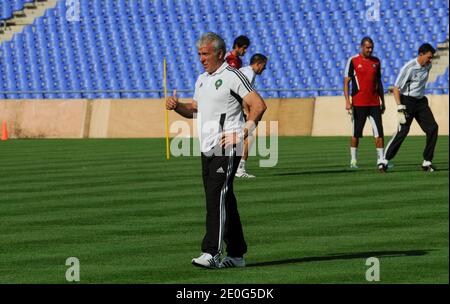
(359, 116)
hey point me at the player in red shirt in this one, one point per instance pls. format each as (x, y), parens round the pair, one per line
(364, 72)
(240, 47)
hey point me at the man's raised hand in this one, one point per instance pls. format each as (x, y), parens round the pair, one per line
(172, 102)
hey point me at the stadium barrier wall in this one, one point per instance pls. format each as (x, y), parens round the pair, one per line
(104, 118)
(144, 118)
(44, 118)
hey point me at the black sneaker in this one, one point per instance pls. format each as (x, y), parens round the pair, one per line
(382, 167)
(429, 168)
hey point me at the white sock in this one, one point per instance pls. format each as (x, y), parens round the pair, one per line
(380, 154)
(242, 164)
(353, 152)
(426, 163)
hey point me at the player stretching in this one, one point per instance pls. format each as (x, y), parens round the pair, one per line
(257, 66)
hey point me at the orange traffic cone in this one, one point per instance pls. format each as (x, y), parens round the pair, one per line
(4, 131)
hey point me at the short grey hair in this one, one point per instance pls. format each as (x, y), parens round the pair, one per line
(217, 42)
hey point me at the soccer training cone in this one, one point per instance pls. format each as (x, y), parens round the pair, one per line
(4, 131)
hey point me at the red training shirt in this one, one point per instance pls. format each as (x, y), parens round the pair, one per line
(233, 60)
(366, 75)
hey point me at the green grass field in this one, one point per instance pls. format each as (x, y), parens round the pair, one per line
(130, 216)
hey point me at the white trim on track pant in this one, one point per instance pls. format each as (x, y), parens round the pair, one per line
(417, 109)
(223, 223)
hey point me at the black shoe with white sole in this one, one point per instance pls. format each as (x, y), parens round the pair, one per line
(382, 167)
(429, 168)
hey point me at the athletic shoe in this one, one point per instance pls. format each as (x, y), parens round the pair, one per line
(429, 168)
(229, 262)
(206, 260)
(243, 173)
(382, 167)
(353, 165)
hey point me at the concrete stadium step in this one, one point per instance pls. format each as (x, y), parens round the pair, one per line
(24, 17)
(440, 61)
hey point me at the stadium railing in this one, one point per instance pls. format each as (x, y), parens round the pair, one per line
(317, 92)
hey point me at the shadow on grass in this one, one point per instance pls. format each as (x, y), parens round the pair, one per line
(399, 168)
(319, 172)
(344, 256)
(440, 166)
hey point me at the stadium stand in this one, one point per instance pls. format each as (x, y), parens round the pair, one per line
(441, 82)
(119, 45)
(7, 8)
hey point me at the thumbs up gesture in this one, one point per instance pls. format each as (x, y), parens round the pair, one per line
(172, 102)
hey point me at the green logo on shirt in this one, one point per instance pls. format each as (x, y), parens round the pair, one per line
(218, 84)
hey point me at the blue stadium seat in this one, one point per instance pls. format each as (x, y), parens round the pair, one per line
(17, 5)
(6, 10)
(121, 44)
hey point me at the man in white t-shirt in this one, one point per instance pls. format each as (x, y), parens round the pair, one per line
(257, 65)
(217, 101)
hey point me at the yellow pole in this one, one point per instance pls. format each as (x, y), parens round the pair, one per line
(167, 111)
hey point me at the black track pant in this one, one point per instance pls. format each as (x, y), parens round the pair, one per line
(223, 224)
(418, 109)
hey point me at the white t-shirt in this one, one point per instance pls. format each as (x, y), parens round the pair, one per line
(249, 73)
(219, 104)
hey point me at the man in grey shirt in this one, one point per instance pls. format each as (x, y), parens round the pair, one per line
(409, 94)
